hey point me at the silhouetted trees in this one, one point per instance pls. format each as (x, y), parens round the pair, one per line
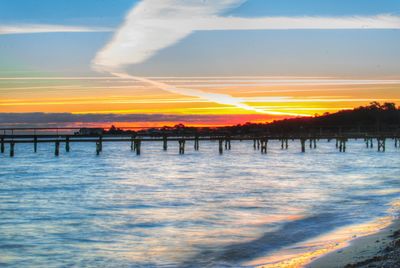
(374, 117)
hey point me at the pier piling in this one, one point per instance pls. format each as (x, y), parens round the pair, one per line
(220, 148)
(342, 145)
(165, 143)
(196, 143)
(67, 147)
(303, 145)
(381, 144)
(101, 143)
(264, 143)
(182, 146)
(57, 148)
(2, 146)
(12, 149)
(137, 146)
(98, 148)
(35, 144)
(227, 143)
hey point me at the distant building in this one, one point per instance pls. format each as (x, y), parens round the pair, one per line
(90, 131)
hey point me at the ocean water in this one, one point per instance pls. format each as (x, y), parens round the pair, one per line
(201, 209)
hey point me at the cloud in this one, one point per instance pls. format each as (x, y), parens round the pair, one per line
(48, 28)
(301, 23)
(10, 120)
(153, 25)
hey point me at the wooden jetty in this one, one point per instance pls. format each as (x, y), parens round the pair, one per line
(11, 138)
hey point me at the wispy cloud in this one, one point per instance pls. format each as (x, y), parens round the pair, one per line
(47, 28)
(153, 25)
(156, 24)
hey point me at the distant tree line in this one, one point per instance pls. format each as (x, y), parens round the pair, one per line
(375, 117)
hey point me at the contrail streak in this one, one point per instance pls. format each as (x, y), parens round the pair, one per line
(212, 97)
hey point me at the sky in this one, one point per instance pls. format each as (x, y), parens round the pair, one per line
(197, 62)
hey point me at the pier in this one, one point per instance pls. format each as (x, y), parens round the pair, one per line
(10, 138)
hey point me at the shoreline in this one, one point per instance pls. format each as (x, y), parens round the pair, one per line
(345, 247)
(380, 249)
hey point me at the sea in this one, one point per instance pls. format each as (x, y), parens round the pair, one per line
(200, 209)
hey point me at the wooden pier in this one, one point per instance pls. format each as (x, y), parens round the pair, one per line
(11, 139)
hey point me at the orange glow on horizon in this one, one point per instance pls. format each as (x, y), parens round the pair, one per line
(283, 97)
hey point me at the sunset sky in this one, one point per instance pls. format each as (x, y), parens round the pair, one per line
(199, 62)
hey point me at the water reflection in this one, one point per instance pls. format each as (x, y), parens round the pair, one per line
(199, 209)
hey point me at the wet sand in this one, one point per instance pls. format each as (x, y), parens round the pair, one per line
(381, 249)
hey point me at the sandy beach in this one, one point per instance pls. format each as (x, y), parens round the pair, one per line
(381, 249)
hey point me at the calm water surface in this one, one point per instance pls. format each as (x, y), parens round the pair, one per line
(194, 210)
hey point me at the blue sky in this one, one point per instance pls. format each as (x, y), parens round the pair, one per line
(361, 53)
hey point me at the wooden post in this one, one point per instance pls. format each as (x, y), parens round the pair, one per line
(381, 144)
(132, 144)
(315, 143)
(220, 148)
(258, 144)
(337, 143)
(67, 148)
(98, 150)
(371, 143)
(12, 149)
(35, 144)
(342, 145)
(165, 143)
(311, 143)
(196, 143)
(282, 143)
(57, 148)
(303, 145)
(181, 146)
(286, 144)
(2, 146)
(254, 144)
(137, 145)
(227, 144)
(264, 143)
(101, 143)
(395, 142)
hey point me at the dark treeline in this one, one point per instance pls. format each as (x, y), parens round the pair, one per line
(373, 118)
